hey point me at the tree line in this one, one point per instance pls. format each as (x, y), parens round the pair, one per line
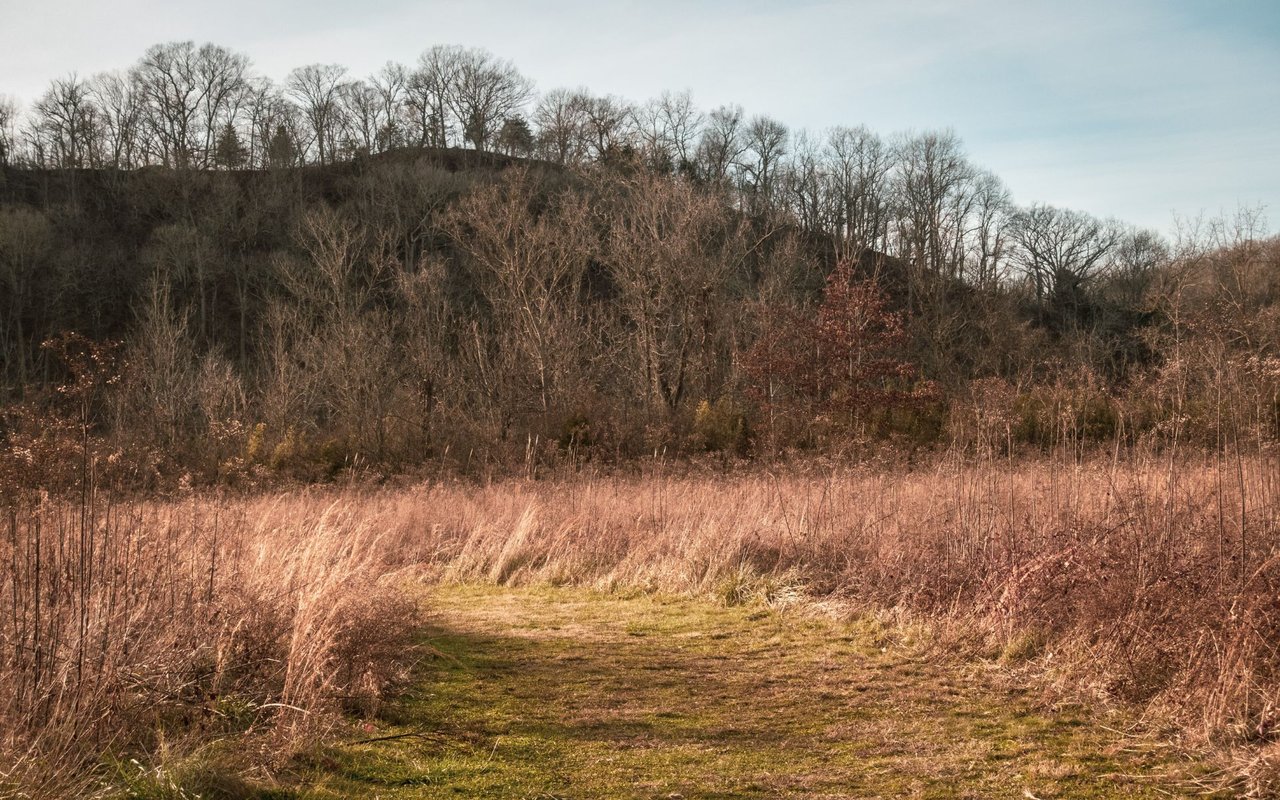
(436, 262)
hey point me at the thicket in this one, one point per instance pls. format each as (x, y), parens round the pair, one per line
(421, 309)
(335, 273)
(438, 265)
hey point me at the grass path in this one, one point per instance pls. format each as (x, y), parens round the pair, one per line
(564, 693)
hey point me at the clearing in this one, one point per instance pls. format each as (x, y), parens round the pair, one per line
(569, 693)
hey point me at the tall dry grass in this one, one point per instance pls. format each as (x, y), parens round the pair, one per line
(1151, 580)
(137, 632)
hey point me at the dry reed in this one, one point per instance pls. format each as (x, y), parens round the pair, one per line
(131, 629)
(1152, 580)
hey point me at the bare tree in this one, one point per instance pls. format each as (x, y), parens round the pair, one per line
(721, 144)
(66, 122)
(1135, 262)
(653, 134)
(318, 90)
(25, 241)
(333, 353)
(932, 186)
(161, 384)
(1060, 250)
(860, 165)
(121, 117)
(170, 87)
(8, 130)
(391, 84)
(221, 77)
(530, 265)
(430, 346)
(672, 252)
(607, 122)
(429, 92)
(765, 143)
(561, 121)
(807, 185)
(185, 259)
(683, 123)
(668, 127)
(988, 245)
(273, 122)
(364, 111)
(486, 91)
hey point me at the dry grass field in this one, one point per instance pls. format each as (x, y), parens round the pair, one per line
(249, 630)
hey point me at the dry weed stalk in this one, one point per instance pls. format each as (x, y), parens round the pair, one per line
(129, 628)
(1152, 579)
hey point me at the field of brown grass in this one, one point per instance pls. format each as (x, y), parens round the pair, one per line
(131, 631)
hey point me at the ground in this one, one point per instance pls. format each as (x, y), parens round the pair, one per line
(567, 693)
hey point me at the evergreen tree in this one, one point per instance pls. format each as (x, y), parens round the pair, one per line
(281, 151)
(515, 138)
(229, 152)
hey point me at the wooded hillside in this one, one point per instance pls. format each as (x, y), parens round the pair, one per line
(436, 263)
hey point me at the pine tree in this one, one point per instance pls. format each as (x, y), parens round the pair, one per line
(515, 138)
(280, 151)
(228, 152)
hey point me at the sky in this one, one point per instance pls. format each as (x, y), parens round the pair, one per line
(1144, 110)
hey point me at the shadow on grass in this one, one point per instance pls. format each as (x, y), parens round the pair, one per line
(630, 698)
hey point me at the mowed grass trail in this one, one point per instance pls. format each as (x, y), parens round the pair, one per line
(566, 693)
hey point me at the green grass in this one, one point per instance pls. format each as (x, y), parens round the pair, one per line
(564, 693)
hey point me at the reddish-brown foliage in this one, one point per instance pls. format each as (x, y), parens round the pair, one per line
(842, 362)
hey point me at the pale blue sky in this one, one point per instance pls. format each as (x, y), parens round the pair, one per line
(1132, 108)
